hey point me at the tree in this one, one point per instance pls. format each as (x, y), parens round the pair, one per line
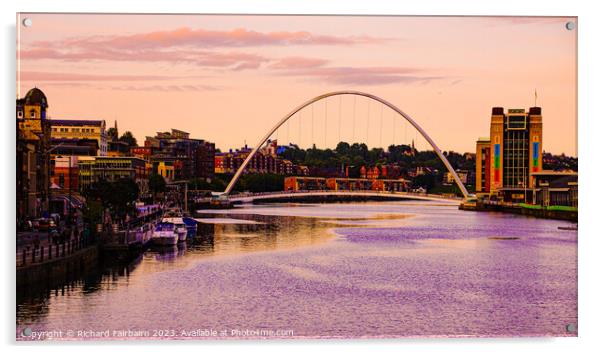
(112, 133)
(118, 196)
(128, 138)
(156, 183)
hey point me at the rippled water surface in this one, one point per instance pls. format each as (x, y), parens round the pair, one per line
(386, 269)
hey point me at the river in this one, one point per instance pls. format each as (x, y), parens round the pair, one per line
(347, 270)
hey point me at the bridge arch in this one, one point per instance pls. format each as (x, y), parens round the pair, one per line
(353, 93)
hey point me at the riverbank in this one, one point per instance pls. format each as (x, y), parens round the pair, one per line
(538, 211)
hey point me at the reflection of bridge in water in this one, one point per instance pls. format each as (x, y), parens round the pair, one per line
(251, 197)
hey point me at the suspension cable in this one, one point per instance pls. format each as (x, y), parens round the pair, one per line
(325, 121)
(340, 114)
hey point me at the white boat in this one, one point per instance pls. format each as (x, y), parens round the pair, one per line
(180, 227)
(165, 234)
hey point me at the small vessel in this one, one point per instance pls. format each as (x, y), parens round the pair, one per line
(568, 228)
(191, 226)
(180, 227)
(165, 234)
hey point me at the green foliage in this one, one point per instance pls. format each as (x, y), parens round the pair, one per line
(359, 154)
(93, 212)
(255, 183)
(261, 183)
(156, 183)
(426, 181)
(217, 184)
(128, 138)
(118, 196)
(111, 132)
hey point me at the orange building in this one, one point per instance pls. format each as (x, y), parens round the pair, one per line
(296, 183)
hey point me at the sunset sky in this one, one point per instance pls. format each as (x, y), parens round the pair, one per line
(228, 79)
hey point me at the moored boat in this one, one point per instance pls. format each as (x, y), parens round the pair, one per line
(165, 234)
(180, 227)
(191, 226)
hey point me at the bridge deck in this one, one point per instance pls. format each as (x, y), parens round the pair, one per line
(300, 194)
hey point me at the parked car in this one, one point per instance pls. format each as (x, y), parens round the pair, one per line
(45, 224)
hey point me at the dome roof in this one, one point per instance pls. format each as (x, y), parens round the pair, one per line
(35, 96)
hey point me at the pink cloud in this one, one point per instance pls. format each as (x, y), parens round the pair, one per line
(196, 57)
(53, 76)
(362, 75)
(185, 45)
(167, 88)
(298, 63)
(203, 38)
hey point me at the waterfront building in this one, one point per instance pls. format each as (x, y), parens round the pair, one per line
(33, 160)
(81, 129)
(515, 150)
(94, 169)
(266, 160)
(483, 165)
(190, 158)
(555, 188)
(304, 183)
(448, 178)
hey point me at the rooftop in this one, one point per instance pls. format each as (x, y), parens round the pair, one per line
(77, 122)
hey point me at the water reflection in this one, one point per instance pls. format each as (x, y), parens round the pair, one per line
(391, 269)
(217, 234)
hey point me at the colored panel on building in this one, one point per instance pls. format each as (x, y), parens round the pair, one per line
(496, 156)
(535, 156)
(496, 162)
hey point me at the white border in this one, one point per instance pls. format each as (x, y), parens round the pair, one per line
(589, 129)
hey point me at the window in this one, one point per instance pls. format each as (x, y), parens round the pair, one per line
(20, 114)
(32, 114)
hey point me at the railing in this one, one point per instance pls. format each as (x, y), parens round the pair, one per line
(129, 237)
(34, 255)
(319, 191)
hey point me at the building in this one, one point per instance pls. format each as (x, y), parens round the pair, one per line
(33, 158)
(266, 160)
(94, 169)
(555, 188)
(297, 183)
(166, 168)
(118, 148)
(65, 173)
(190, 158)
(483, 165)
(448, 177)
(81, 129)
(73, 147)
(515, 150)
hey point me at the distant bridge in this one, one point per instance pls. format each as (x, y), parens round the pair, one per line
(403, 115)
(251, 197)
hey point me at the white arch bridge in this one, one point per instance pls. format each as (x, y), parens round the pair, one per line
(252, 197)
(399, 112)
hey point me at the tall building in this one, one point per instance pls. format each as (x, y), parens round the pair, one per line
(33, 158)
(515, 150)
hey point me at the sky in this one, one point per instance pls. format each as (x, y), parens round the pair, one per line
(229, 78)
